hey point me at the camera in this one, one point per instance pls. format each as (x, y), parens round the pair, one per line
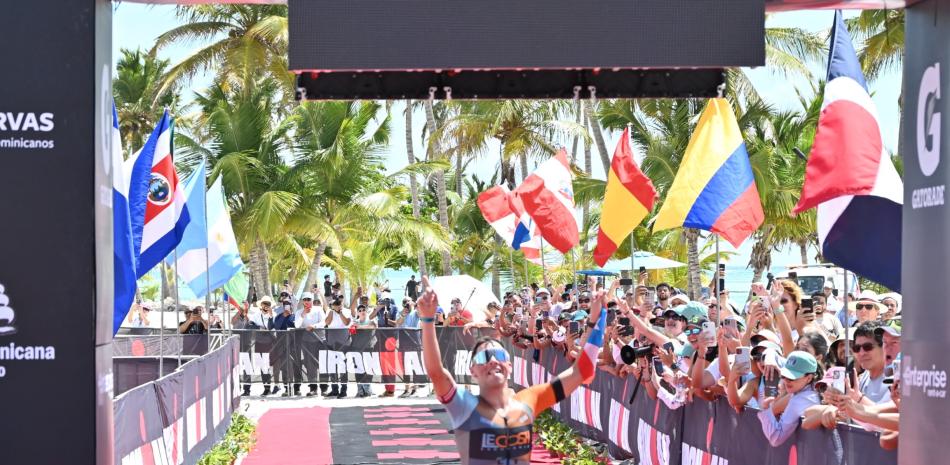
(629, 355)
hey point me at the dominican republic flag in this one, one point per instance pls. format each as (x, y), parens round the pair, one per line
(495, 206)
(850, 177)
(156, 199)
(123, 257)
(547, 196)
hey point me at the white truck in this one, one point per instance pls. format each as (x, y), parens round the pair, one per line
(812, 278)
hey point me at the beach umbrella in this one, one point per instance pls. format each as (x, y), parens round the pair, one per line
(474, 294)
(645, 259)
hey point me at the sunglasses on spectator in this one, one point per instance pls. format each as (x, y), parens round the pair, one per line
(693, 331)
(867, 347)
(487, 355)
(864, 306)
(584, 301)
(784, 300)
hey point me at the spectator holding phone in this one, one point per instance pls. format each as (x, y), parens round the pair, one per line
(825, 318)
(798, 378)
(458, 316)
(194, 323)
(868, 350)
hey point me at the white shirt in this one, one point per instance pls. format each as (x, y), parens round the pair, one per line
(874, 389)
(336, 321)
(316, 318)
(777, 431)
(257, 317)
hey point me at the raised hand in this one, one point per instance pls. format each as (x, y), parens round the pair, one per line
(428, 302)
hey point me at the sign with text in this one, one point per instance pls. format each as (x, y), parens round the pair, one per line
(55, 242)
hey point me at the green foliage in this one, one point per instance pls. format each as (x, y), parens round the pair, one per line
(239, 439)
(560, 439)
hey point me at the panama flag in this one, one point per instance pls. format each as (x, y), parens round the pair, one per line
(850, 177)
(156, 199)
(123, 257)
(497, 209)
(547, 195)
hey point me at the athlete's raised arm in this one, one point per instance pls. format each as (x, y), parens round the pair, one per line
(442, 381)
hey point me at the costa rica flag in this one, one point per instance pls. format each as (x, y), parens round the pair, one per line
(157, 202)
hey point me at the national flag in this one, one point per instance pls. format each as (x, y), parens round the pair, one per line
(849, 175)
(235, 290)
(158, 213)
(548, 197)
(629, 199)
(496, 207)
(587, 361)
(123, 257)
(207, 241)
(714, 188)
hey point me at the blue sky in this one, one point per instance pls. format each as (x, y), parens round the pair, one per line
(137, 26)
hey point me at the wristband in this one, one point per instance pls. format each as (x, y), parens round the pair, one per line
(778, 310)
(427, 320)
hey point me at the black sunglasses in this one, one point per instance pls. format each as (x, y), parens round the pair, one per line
(865, 306)
(784, 300)
(867, 347)
(584, 301)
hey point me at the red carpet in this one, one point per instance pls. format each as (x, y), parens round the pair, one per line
(396, 434)
(291, 436)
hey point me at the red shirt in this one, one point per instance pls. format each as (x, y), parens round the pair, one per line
(464, 314)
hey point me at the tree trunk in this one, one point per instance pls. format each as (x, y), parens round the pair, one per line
(458, 174)
(694, 286)
(524, 166)
(803, 247)
(598, 136)
(259, 268)
(413, 186)
(587, 169)
(577, 110)
(761, 259)
(313, 275)
(440, 187)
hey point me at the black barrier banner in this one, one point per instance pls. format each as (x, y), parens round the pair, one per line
(179, 417)
(386, 355)
(700, 433)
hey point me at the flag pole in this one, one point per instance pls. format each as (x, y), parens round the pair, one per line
(511, 264)
(181, 340)
(718, 291)
(574, 269)
(204, 197)
(544, 268)
(161, 327)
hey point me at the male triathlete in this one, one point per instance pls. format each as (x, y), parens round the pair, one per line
(494, 427)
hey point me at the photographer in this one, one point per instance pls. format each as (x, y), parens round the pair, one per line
(194, 323)
(260, 322)
(310, 318)
(337, 320)
(282, 355)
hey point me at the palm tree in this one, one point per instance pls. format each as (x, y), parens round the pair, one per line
(435, 153)
(413, 186)
(138, 101)
(880, 35)
(239, 38)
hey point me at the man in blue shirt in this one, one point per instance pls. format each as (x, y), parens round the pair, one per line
(283, 322)
(409, 319)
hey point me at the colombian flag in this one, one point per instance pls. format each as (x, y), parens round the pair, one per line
(714, 188)
(628, 200)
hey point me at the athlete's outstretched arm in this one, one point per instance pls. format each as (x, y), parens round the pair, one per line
(442, 381)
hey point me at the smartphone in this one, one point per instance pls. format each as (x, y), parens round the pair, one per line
(771, 386)
(568, 287)
(743, 360)
(807, 302)
(286, 282)
(611, 316)
(624, 321)
(288, 307)
(837, 376)
(792, 275)
(897, 369)
(537, 300)
(519, 311)
(575, 327)
(626, 282)
(657, 365)
(537, 324)
(668, 346)
(650, 298)
(643, 269)
(709, 331)
(834, 292)
(731, 323)
(545, 314)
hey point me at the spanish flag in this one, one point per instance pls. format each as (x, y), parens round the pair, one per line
(714, 189)
(629, 198)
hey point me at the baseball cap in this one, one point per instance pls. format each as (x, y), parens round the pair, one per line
(307, 295)
(686, 351)
(542, 291)
(694, 309)
(798, 364)
(892, 327)
(674, 311)
(764, 335)
(681, 297)
(696, 321)
(764, 345)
